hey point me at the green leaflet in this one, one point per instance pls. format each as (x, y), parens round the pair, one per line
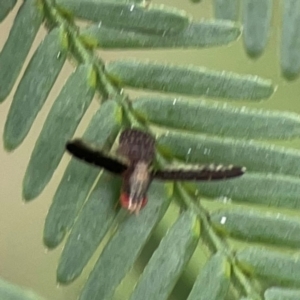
(59, 126)
(189, 80)
(21, 36)
(124, 247)
(154, 19)
(226, 9)
(105, 1)
(5, 7)
(256, 157)
(202, 34)
(274, 266)
(252, 225)
(218, 118)
(213, 281)
(34, 88)
(255, 188)
(257, 21)
(91, 226)
(169, 259)
(10, 291)
(290, 40)
(79, 176)
(276, 293)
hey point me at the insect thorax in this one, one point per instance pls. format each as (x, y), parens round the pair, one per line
(139, 181)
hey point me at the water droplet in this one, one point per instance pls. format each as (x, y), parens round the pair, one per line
(206, 151)
(69, 177)
(175, 100)
(224, 199)
(132, 7)
(58, 55)
(78, 237)
(189, 151)
(223, 220)
(99, 24)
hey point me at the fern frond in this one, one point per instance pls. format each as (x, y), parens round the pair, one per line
(21, 36)
(11, 291)
(198, 131)
(256, 19)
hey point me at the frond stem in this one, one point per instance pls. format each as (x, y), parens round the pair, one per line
(79, 49)
(218, 243)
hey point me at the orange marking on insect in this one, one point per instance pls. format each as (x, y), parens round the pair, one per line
(132, 207)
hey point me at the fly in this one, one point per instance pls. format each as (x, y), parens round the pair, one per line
(138, 148)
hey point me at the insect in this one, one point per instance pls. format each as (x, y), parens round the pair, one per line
(138, 150)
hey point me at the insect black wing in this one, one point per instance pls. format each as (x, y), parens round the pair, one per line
(136, 145)
(204, 172)
(82, 151)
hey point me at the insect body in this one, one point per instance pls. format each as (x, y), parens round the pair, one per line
(137, 148)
